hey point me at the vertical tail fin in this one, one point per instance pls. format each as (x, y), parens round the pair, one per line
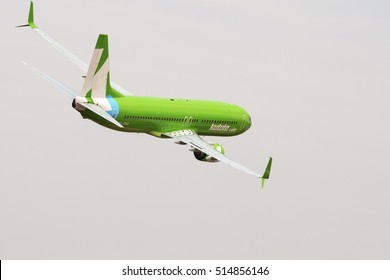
(97, 82)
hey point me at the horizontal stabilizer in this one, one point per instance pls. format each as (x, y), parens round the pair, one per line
(99, 111)
(56, 83)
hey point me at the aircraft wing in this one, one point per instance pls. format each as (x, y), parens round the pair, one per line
(74, 59)
(70, 56)
(192, 138)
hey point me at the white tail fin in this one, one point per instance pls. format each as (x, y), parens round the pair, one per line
(97, 81)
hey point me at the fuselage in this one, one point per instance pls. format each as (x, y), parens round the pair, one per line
(155, 116)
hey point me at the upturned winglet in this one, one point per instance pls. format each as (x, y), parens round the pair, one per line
(267, 172)
(31, 22)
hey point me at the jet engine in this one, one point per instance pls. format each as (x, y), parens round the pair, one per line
(76, 103)
(201, 156)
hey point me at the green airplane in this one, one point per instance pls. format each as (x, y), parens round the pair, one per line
(182, 120)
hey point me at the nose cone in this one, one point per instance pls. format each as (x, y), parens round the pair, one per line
(248, 121)
(245, 122)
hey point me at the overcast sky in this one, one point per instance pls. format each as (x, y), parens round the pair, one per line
(314, 75)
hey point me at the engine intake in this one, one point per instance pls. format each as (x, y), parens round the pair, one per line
(76, 103)
(201, 156)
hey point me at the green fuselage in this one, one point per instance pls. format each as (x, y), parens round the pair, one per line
(161, 115)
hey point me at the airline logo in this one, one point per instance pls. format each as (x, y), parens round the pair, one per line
(219, 127)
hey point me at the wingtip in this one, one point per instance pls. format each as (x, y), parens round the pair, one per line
(267, 172)
(31, 22)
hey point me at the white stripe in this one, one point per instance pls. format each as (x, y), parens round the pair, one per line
(99, 81)
(88, 83)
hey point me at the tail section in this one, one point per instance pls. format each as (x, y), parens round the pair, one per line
(97, 82)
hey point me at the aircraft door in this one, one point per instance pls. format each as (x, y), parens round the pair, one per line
(243, 121)
(187, 121)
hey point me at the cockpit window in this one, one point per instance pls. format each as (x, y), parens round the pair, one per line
(249, 119)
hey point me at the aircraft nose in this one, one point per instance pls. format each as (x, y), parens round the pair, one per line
(247, 120)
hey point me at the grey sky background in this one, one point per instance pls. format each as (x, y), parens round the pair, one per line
(314, 75)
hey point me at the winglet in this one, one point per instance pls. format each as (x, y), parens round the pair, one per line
(31, 22)
(267, 172)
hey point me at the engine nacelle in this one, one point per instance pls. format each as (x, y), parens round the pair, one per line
(199, 155)
(76, 103)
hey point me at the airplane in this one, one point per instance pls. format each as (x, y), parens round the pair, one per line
(183, 120)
